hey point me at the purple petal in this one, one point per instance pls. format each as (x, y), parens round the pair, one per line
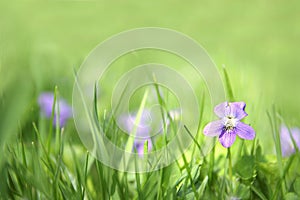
(245, 131)
(227, 138)
(139, 145)
(221, 109)
(213, 128)
(284, 133)
(46, 101)
(65, 112)
(240, 105)
(287, 147)
(237, 110)
(127, 123)
(143, 132)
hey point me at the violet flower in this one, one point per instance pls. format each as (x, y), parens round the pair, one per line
(229, 124)
(46, 101)
(139, 145)
(287, 145)
(127, 123)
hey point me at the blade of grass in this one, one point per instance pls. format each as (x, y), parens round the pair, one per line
(196, 143)
(276, 139)
(130, 141)
(186, 166)
(138, 181)
(51, 120)
(46, 153)
(229, 90)
(98, 141)
(198, 130)
(203, 186)
(100, 172)
(258, 193)
(85, 174)
(57, 123)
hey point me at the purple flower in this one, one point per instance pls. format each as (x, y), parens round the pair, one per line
(127, 123)
(139, 145)
(46, 101)
(229, 124)
(287, 146)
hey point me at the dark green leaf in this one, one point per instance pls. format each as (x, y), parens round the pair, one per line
(245, 167)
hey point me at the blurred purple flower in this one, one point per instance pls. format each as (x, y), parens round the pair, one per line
(139, 145)
(46, 101)
(229, 124)
(287, 146)
(127, 123)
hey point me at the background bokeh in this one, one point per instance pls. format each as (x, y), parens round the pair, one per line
(42, 42)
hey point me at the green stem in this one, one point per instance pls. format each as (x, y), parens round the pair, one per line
(229, 168)
(212, 163)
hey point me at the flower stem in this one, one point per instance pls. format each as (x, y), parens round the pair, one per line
(229, 168)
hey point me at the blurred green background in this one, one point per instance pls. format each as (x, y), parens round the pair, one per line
(41, 42)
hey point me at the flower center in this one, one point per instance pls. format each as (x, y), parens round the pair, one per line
(230, 123)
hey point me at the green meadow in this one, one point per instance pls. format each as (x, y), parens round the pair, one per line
(44, 43)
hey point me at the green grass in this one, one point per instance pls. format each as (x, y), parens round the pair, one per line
(38, 168)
